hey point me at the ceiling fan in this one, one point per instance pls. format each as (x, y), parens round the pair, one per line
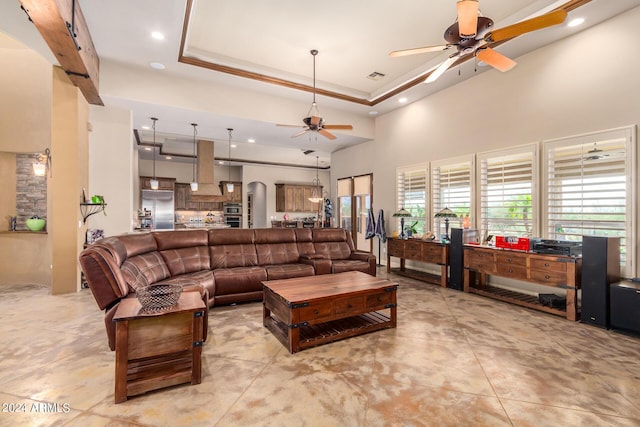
(314, 122)
(471, 35)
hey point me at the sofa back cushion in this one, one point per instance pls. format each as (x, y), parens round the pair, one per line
(145, 269)
(184, 251)
(332, 243)
(276, 246)
(304, 241)
(232, 248)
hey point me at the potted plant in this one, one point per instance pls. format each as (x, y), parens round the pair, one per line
(411, 229)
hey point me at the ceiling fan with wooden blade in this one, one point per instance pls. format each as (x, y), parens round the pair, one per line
(472, 34)
(314, 122)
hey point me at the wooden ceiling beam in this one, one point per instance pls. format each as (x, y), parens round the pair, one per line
(67, 35)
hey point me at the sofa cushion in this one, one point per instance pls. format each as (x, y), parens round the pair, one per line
(239, 280)
(183, 239)
(145, 269)
(276, 246)
(187, 260)
(332, 243)
(287, 271)
(304, 241)
(202, 278)
(230, 248)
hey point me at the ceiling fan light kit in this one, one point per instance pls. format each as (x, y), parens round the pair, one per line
(472, 34)
(467, 17)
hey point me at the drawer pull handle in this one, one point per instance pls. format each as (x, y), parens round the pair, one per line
(546, 264)
(509, 259)
(316, 312)
(350, 306)
(510, 271)
(546, 276)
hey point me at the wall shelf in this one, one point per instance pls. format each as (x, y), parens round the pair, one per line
(88, 209)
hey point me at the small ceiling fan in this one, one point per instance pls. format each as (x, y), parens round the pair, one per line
(471, 35)
(314, 122)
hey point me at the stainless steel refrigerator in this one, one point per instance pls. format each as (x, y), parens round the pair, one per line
(160, 203)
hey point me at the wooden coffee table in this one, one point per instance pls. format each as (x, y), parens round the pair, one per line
(305, 312)
(159, 349)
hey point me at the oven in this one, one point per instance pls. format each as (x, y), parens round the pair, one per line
(233, 221)
(233, 209)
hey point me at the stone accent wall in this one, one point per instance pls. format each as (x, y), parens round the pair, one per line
(31, 191)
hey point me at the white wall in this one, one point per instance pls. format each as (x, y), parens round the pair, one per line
(111, 161)
(584, 83)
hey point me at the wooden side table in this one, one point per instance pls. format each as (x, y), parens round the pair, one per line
(160, 349)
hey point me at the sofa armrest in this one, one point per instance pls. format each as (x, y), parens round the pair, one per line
(320, 265)
(361, 256)
(366, 257)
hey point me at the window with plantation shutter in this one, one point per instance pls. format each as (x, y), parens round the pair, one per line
(412, 195)
(507, 192)
(589, 189)
(451, 187)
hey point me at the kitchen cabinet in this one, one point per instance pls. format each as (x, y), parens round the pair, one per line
(295, 198)
(183, 200)
(236, 195)
(163, 183)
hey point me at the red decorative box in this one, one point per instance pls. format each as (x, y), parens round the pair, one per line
(513, 242)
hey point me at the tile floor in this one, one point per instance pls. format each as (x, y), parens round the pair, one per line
(454, 360)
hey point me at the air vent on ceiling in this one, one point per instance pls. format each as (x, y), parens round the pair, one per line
(307, 152)
(376, 76)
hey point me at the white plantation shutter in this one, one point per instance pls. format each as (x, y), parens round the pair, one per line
(451, 187)
(590, 189)
(507, 191)
(411, 194)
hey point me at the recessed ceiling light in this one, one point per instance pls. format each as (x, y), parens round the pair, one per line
(575, 22)
(168, 157)
(373, 113)
(157, 35)
(147, 148)
(221, 162)
(251, 141)
(145, 127)
(402, 100)
(157, 66)
(233, 145)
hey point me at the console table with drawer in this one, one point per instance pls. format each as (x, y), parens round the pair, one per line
(427, 251)
(550, 270)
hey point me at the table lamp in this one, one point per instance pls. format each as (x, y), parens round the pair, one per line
(402, 214)
(446, 213)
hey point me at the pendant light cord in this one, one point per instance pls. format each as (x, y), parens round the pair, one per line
(195, 131)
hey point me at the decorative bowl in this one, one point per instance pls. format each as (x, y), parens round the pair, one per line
(35, 224)
(158, 297)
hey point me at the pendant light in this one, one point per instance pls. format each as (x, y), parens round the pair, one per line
(194, 183)
(154, 182)
(316, 193)
(229, 183)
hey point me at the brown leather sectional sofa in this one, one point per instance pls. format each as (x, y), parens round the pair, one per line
(225, 265)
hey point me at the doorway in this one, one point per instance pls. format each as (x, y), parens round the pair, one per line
(256, 205)
(355, 195)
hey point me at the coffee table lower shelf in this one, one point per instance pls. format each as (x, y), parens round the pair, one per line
(334, 330)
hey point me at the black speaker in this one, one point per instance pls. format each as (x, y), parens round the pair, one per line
(455, 260)
(625, 306)
(600, 268)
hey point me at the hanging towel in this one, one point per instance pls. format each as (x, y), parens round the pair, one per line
(380, 233)
(371, 226)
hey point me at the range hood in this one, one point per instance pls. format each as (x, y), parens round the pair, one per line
(208, 190)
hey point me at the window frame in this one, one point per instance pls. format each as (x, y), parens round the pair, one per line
(400, 200)
(438, 226)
